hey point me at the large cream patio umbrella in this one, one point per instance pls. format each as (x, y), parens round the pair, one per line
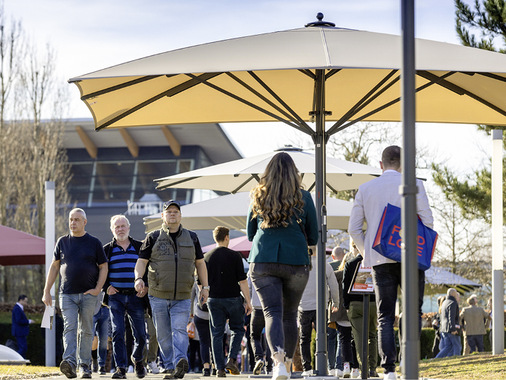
(320, 73)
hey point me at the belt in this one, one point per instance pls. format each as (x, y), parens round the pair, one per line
(127, 291)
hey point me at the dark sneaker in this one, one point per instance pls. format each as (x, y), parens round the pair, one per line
(140, 370)
(206, 372)
(231, 366)
(182, 367)
(119, 374)
(257, 370)
(68, 369)
(102, 371)
(85, 371)
(221, 373)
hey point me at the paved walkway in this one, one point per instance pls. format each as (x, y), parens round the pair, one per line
(193, 376)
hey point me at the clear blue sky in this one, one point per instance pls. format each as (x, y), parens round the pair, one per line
(93, 34)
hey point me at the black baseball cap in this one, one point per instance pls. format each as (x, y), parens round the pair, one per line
(166, 205)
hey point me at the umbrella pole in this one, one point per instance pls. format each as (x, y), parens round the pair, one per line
(410, 328)
(321, 211)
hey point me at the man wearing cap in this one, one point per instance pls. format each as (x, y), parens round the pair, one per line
(171, 255)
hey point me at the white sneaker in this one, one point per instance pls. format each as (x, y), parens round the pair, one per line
(279, 372)
(309, 372)
(346, 370)
(153, 368)
(336, 372)
(130, 369)
(355, 373)
(390, 376)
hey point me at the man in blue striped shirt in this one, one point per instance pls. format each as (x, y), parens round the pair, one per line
(122, 253)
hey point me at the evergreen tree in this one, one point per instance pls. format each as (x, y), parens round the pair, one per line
(482, 26)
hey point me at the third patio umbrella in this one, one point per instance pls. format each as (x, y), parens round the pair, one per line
(319, 73)
(231, 211)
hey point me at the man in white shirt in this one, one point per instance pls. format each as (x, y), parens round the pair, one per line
(371, 199)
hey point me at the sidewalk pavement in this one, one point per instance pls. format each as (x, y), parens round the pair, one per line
(196, 376)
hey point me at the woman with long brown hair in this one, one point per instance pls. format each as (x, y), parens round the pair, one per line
(281, 223)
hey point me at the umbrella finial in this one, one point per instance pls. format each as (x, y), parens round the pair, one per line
(320, 21)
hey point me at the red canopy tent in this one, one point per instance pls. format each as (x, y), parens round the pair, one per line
(21, 248)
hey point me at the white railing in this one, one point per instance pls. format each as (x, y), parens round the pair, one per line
(144, 208)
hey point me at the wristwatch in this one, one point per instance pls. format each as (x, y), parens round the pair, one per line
(206, 287)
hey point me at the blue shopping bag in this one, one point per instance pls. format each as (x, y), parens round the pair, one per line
(388, 238)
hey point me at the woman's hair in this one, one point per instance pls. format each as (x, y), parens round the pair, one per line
(349, 256)
(278, 193)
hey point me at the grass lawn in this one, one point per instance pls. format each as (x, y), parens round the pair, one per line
(11, 372)
(474, 366)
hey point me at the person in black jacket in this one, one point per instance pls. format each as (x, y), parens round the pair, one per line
(122, 253)
(354, 305)
(450, 326)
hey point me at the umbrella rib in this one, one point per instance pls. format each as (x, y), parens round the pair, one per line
(119, 87)
(386, 105)
(331, 73)
(309, 73)
(244, 101)
(276, 96)
(244, 183)
(459, 90)
(171, 92)
(366, 99)
(294, 118)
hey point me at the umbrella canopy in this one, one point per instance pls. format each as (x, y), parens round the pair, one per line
(21, 248)
(231, 211)
(243, 174)
(271, 77)
(440, 277)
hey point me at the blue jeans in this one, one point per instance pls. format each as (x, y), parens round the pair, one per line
(102, 329)
(133, 306)
(77, 310)
(334, 349)
(450, 345)
(387, 279)
(280, 288)
(221, 309)
(170, 318)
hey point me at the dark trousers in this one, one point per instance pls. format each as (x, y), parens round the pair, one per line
(22, 345)
(387, 280)
(202, 326)
(260, 346)
(306, 320)
(475, 343)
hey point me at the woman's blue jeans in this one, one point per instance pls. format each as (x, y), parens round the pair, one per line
(280, 288)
